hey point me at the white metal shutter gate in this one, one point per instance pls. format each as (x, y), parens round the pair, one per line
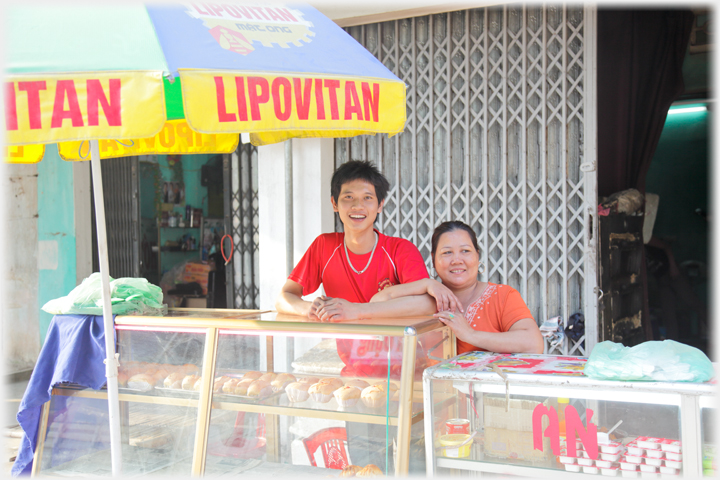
(500, 118)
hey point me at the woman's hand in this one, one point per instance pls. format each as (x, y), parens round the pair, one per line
(331, 309)
(458, 324)
(445, 298)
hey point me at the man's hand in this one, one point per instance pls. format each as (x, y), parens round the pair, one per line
(316, 304)
(330, 309)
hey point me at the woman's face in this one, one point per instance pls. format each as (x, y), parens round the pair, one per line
(456, 260)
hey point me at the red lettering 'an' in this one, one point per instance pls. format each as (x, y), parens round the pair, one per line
(285, 14)
(287, 98)
(242, 103)
(66, 89)
(257, 98)
(552, 431)
(371, 102)
(11, 121)
(332, 86)
(574, 426)
(223, 115)
(352, 102)
(33, 97)
(96, 97)
(273, 16)
(302, 98)
(319, 100)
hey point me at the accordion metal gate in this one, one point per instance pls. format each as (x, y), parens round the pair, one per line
(501, 135)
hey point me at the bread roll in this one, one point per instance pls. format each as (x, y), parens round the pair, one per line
(322, 392)
(122, 379)
(373, 396)
(347, 396)
(350, 470)
(197, 384)
(252, 375)
(259, 388)
(309, 380)
(334, 381)
(357, 382)
(189, 381)
(242, 386)
(142, 381)
(297, 391)
(229, 386)
(268, 377)
(282, 381)
(370, 471)
(174, 380)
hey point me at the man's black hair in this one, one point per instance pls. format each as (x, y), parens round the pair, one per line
(359, 170)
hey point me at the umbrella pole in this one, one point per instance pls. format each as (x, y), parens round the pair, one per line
(111, 363)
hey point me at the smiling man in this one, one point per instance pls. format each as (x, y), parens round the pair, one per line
(354, 265)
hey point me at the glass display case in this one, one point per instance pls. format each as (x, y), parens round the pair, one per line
(539, 416)
(219, 392)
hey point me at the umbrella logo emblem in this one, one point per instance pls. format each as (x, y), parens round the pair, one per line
(239, 28)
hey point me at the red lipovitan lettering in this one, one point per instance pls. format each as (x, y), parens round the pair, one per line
(223, 115)
(319, 100)
(260, 9)
(352, 102)
(33, 97)
(332, 86)
(285, 14)
(199, 10)
(66, 89)
(244, 11)
(257, 98)
(231, 10)
(273, 16)
(302, 97)
(11, 121)
(371, 102)
(281, 114)
(242, 103)
(111, 108)
(217, 9)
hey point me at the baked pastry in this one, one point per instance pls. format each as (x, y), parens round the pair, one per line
(252, 375)
(347, 396)
(357, 382)
(197, 385)
(189, 381)
(282, 381)
(142, 381)
(229, 386)
(268, 377)
(309, 380)
(334, 381)
(322, 392)
(241, 387)
(174, 380)
(370, 471)
(297, 391)
(219, 382)
(259, 388)
(373, 396)
(350, 470)
(122, 379)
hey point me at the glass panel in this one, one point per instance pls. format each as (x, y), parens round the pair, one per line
(708, 422)
(532, 430)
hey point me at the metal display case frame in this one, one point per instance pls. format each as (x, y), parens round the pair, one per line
(267, 323)
(690, 398)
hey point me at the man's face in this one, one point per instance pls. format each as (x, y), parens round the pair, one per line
(357, 205)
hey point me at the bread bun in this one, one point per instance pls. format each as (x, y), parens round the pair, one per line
(198, 384)
(122, 379)
(229, 386)
(219, 382)
(241, 387)
(347, 396)
(350, 470)
(268, 377)
(357, 382)
(252, 375)
(297, 391)
(259, 388)
(322, 392)
(142, 381)
(334, 381)
(373, 396)
(370, 471)
(282, 381)
(174, 380)
(309, 380)
(189, 381)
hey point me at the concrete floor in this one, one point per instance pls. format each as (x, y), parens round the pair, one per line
(11, 430)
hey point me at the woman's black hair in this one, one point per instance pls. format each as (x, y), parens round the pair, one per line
(359, 170)
(447, 227)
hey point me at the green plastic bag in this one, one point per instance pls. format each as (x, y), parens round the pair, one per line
(127, 295)
(655, 361)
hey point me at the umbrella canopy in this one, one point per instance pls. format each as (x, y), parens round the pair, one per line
(120, 72)
(135, 73)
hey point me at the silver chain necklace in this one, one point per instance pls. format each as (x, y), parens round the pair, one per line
(371, 255)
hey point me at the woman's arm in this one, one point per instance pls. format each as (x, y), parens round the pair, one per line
(523, 336)
(444, 297)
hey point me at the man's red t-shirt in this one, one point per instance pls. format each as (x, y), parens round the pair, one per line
(395, 261)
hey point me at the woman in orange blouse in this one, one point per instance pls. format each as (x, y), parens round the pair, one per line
(496, 318)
